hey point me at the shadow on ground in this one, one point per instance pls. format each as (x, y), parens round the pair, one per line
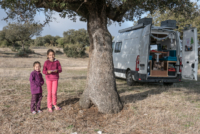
(65, 102)
(153, 88)
(131, 98)
(68, 102)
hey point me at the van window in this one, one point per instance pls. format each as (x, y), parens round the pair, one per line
(113, 45)
(118, 47)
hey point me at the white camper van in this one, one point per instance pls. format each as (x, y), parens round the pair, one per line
(146, 53)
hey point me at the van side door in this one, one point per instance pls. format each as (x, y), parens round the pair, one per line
(144, 50)
(190, 54)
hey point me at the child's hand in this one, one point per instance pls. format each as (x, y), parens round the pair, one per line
(49, 71)
(55, 71)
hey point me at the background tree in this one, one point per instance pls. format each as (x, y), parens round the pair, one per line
(68, 36)
(182, 21)
(101, 85)
(9, 36)
(76, 36)
(20, 32)
(61, 42)
(39, 41)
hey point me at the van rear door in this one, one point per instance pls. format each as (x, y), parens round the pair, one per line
(144, 50)
(189, 54)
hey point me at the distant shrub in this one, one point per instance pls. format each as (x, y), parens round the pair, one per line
(75, 50)
(46, 44)
(21, 53)
(25, 52)
(16, 48)
(59, 52)
(28, 50)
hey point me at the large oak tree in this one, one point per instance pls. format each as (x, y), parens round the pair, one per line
(101, 85)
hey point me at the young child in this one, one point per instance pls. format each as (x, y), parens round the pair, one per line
(36, 82)
(51, 69)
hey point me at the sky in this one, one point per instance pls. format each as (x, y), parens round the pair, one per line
(63, 24)
(58, 26)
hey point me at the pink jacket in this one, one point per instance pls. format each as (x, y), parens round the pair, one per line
(48, 65)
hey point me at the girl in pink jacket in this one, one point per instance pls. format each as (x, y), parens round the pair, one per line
(51, 69)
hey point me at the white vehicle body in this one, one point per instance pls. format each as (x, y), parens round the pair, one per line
(128, 46)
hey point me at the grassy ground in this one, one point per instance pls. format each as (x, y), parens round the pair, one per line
(148, 108)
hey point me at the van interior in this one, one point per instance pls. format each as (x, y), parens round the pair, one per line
(162, 57)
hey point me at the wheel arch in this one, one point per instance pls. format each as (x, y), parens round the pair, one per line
(127, 71)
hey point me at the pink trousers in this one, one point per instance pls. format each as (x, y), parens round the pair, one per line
(52, 92)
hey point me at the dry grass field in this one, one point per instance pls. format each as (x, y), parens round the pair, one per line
(148, 108)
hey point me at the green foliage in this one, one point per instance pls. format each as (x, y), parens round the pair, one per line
(76, 36)
(116, 10)
(46, 44)
(24, 53)
(21, 53)
(47, 40)
(16, 47)
(39, 41)
(20, 33)
(4, 43)
(113, 37)
(182, 21)
(28, 50)
(75, 50)
(59, 52)
(61, 42)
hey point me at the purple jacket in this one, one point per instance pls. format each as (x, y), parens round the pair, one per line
(48, 65)
(36, 82)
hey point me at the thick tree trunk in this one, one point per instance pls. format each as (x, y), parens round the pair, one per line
(101, 85)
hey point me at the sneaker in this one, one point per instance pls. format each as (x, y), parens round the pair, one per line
(39, 111)
(33, 112)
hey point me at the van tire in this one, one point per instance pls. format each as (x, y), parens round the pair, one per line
(129, 78)
(168, 84)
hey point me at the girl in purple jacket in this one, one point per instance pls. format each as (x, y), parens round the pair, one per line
(36, 82)
(51, 69)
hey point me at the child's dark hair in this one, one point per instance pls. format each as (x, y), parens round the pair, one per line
(36, 62)
(50, 50)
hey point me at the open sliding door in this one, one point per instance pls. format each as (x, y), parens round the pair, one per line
(190, 54)
(144, 50)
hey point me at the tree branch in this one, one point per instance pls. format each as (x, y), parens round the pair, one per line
(73, 5)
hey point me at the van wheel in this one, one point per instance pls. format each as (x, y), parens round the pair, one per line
(129, 78)
(168, 84)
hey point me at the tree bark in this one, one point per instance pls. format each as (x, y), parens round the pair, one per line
(101, 84)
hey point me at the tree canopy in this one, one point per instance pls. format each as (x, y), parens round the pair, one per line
(14, 32)
(69, 37)
(181, 20)
(116, 10)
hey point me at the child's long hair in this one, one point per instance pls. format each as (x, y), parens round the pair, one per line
(50, 50)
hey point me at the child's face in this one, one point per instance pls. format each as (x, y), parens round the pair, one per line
(37, 67)
(51, 56)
